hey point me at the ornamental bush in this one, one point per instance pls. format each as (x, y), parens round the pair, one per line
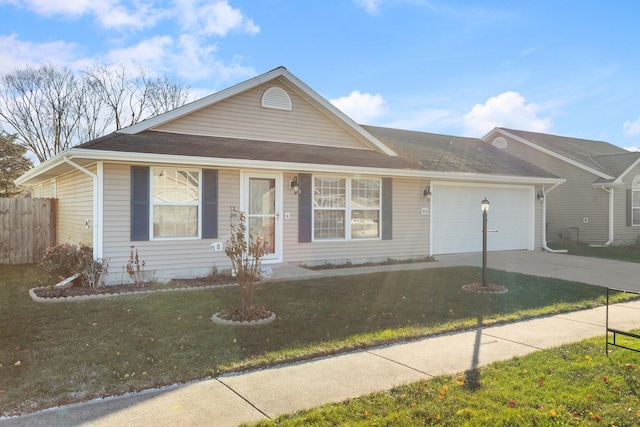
(65, 260)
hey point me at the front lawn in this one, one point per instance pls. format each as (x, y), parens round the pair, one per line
(574, 384)
(58, 353)
(619, 253)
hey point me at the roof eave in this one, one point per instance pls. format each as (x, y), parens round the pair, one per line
(128, 157)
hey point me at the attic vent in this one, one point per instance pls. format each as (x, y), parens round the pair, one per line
(276, 98)
(499, 142)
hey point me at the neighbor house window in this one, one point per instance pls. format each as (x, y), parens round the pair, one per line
(635, 201)
(175, 202)
(346, 208)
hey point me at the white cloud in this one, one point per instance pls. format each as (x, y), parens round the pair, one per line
(16, 53)
(632, 128)
(632, 148)
(148, 53)
(361, 107)
(217, 18)
(108, 13)
(371, 6)
(508, 109)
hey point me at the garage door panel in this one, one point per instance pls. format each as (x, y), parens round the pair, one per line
(457, 219)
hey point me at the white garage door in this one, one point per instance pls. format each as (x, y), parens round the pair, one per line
(456, 217)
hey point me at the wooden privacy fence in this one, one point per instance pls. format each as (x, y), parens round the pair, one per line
(27, 229)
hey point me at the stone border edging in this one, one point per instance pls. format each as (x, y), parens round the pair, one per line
(217, 320)
(78, 298)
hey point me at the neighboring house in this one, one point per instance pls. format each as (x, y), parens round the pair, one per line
(600, 202)
(318, 186)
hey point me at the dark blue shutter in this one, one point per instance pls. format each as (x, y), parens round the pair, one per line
(387, 209)
(305, 207)
(209, 204)
(139, 203)
(629, 208)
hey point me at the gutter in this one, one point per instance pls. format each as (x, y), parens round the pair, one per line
(544, 223)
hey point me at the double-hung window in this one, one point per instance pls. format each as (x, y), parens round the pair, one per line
(346, 208)
(175, 202)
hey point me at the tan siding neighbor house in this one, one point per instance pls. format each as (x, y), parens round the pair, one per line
(599, 203)
(318, 186)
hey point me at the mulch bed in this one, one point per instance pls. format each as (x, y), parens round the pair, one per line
(76, 289)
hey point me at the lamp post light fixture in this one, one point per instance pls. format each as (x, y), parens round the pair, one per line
(484, 205)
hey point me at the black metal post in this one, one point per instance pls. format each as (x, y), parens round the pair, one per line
(484, 248)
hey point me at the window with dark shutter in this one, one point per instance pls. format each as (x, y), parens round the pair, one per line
(387, 209)
(209, 204)
(139, 203)
(305, 208)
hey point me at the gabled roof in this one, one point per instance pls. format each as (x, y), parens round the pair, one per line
(444, 153)
(607, 161)
(278, 73)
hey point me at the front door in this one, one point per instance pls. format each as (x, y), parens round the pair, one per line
(262, 204)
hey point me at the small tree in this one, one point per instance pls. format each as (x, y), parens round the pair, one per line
(245, 252)
(13, 163)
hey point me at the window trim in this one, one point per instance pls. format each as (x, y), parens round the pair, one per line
(152, 204)
(348, 209)
(635, 210)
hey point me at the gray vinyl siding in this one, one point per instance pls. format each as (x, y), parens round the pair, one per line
(622, 234)
(164, 258)
(410, 231)
(571, 202)
(74, 192)
(243, 117)
(195, 257)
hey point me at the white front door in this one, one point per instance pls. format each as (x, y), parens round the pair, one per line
(262, 202)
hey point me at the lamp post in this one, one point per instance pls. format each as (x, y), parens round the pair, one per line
(484, 205)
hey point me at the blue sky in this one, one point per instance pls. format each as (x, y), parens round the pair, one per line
(455, 67)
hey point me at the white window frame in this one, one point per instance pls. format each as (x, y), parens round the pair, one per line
(635, 210)
(153, 204)
(347, 209)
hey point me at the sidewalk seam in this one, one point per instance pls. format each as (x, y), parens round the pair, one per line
(398, 363)
(243, 398)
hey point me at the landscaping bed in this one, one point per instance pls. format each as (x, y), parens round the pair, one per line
(76, 290)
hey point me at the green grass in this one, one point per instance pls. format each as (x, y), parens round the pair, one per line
(76, 351)
(575, 384)
(619, 253)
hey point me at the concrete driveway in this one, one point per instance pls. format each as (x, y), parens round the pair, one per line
(593, 271)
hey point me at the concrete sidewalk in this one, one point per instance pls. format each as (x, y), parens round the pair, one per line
(232, 399)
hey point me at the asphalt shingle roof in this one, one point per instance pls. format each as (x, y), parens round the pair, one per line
(416, 150)
(444, 153)
(599, 155)
(153, 142)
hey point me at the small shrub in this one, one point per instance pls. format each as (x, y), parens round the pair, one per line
(245, 252)
(65, 260)
(135, 268)
(94, 272)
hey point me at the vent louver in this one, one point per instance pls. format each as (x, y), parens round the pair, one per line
(276, 98)
(500, 142)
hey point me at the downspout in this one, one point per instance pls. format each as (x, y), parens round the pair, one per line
(610, 191)
(97, 204)
(544, 223)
